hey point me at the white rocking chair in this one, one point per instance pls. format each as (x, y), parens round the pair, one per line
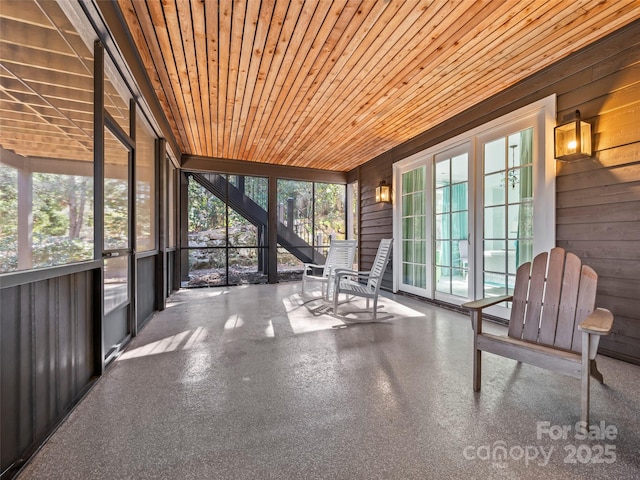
(347, 281)
(341, 255)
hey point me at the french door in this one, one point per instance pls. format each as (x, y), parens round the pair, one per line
(465, 212)
(450, 187)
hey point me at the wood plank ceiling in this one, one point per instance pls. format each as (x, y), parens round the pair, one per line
(317, 83)
(331, 84)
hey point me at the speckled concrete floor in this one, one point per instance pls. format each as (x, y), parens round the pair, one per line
(252, 383)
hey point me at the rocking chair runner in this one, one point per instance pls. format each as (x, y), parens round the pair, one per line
(341, 255)
(346, 281)
(553, 323)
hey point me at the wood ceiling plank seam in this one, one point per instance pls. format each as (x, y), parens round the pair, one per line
(411, 70)
(476, 99)
(620, 18)
(153, 71)
(291, 50)
(334, 46)
(186, 21)
(237, 36)
(212, 67)
(535, 46)
(278, 14)
(246, 57)
(331, 48)
(167, 55)
(460, 93)
(431, 93)
(298, 91)
(532, 45)
(279, 51)
(462, 41)
(330, 93)
(346, 104)
(358, 30)
(44, 101)
(181, 46)
(198, 18)
(445, 20)
(225, 11)
(258, 49)
(298, 70)
(157, 38)
(330, 111)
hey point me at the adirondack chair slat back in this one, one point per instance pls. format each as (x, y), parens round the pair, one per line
(549, 320)
(586, 303)
(551, 298)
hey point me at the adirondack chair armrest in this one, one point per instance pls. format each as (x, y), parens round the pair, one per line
(600, 322)
(478, 305)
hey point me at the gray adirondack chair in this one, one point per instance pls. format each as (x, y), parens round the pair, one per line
(554, 323)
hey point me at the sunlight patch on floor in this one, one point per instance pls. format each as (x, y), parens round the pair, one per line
(180, 341)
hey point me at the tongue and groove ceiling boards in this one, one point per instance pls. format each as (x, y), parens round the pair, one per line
(331, 84)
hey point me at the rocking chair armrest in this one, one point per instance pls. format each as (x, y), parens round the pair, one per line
(306, 266)
(345, 272)
(600, 322)
(478, 305)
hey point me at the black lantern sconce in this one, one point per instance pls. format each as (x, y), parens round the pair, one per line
(573, 139)
(383, 193)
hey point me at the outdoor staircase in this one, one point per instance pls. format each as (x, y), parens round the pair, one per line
(236, 198)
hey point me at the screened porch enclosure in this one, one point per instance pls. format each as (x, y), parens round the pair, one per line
(228, 222)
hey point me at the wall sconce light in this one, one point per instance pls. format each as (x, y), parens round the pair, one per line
(573, 139)
(383, 193)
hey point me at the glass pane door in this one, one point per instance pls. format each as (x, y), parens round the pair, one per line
(451, 224)
(508, 210)
(414, 230)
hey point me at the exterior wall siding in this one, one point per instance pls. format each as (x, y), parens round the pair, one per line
(597, 200)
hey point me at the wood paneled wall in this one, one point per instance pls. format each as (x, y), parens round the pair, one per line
(47, 359)
(598, 199)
